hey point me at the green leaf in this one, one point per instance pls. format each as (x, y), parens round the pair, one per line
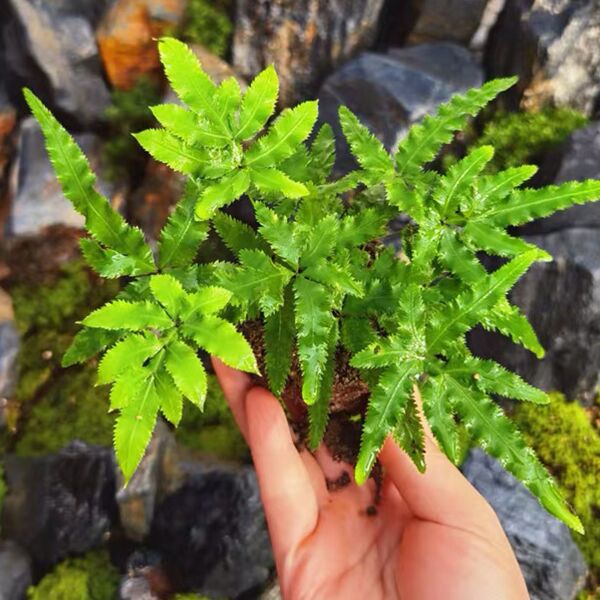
(133, 316)
(320, 240)
(279, 342)
(365, 226)
(290, 129)
(257, 280)
(356, 333)
(322, 154)
(206, 300)
(78, 181)
(438, 407)
(275, 181)
(460, 178)
(236, 235)
(121, 391)
(187, 372)
(384, 352)
(387, 404)
(171, 402)
(182, 235)
(87, 343)
(468, 307)
(366, 148)
(132, 351)
(258, 103)
(177, 120)
(425, 140)
(220, 194)
(460, 260)
(314, 320)
(168, 292)
(409, 434)
(526, 205)
(191, 83)
(175, 153)
(280, 233)
(490, 428)
(221, 339)
(109, 263)
(333, 275)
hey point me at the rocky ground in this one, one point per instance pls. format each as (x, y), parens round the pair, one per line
(191, 519)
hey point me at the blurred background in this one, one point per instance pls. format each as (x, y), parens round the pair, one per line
(190, 524)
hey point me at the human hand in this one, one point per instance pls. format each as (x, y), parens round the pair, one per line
(433, 535)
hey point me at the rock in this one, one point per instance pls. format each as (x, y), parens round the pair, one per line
(127, 37)
(137, 500)
(273, 592)
(552, 46)
(579, 160)
(446, 20)
(9, 351)
(562, 301)
(551, 563)
(59, 504)
(211, 531)
(305, 40)
(50, 46)
(15, 571)
(136, 588)
(390, 92)
(37, 199)
(145, 579)
(8, 123)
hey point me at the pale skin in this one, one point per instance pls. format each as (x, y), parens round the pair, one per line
(433, 536)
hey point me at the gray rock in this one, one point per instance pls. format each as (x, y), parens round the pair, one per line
(390, 92)
(210, 530)
(579, 160)
(37, 199)
(447, 20)
(137, 501)
(59, 504)
(305, 40)
(552, 46)
(136, 588)
(15, 571)
(51, 46)
(9, 351)
(551, 563)
(562, 301)
(144, 573)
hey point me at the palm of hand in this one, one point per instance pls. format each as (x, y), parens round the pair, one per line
(432, 537)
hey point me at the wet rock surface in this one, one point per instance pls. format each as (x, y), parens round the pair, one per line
(37, 198)
(390, 92)
(211, 531)
(305, 40)
(15, 571)
(552, 46)
(51, 47)
(549, 559)
(59, 504)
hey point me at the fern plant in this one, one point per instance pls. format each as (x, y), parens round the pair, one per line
(313, 276)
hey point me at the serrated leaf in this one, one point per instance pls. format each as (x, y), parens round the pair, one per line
(366, 148)
(187, 371)
(171, 401)
(280, 233)
(499, 437)
(228, 99)
(175, 153)
(132, 351)
(87, 343)
(461, 261)
(220, 194)
(409, 434)
(258, 103)
(279, 341)
(314, 320)
(383, 352)
(221, 339)
(177, 120)
(320, 240)
(122, 390)
(356, 333)
(168, 292)
(322, 154)
(290, 129)
(366, 226)
(424, 140)
(236, 235)
(182, 235)
(133, 316)
(388, 401)
(271, 181)
(331, 274)
(206, 300)
(109, 263)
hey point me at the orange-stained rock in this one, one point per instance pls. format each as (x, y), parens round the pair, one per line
(127, 37)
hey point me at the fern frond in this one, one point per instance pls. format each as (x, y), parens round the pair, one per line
(236, 235)
(87, 343)
(171, 400)
(133, 316)
(409, 434)
(271, 181)
(206, 300)
(187, 371)
(224, 192)
(258, 103)
(334, 275)
(110, 263)
(321, 239)
(168, 292)
(280, 233)
(322, 154)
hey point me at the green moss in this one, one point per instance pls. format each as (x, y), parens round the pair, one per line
(90, 577)
(567, 443)
(208, 22)
(214, 430)
(522, 137)
(122, 156)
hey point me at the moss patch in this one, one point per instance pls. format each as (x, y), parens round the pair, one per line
(90, 577)
(208, 22)
(214, 430)
(567, 443)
